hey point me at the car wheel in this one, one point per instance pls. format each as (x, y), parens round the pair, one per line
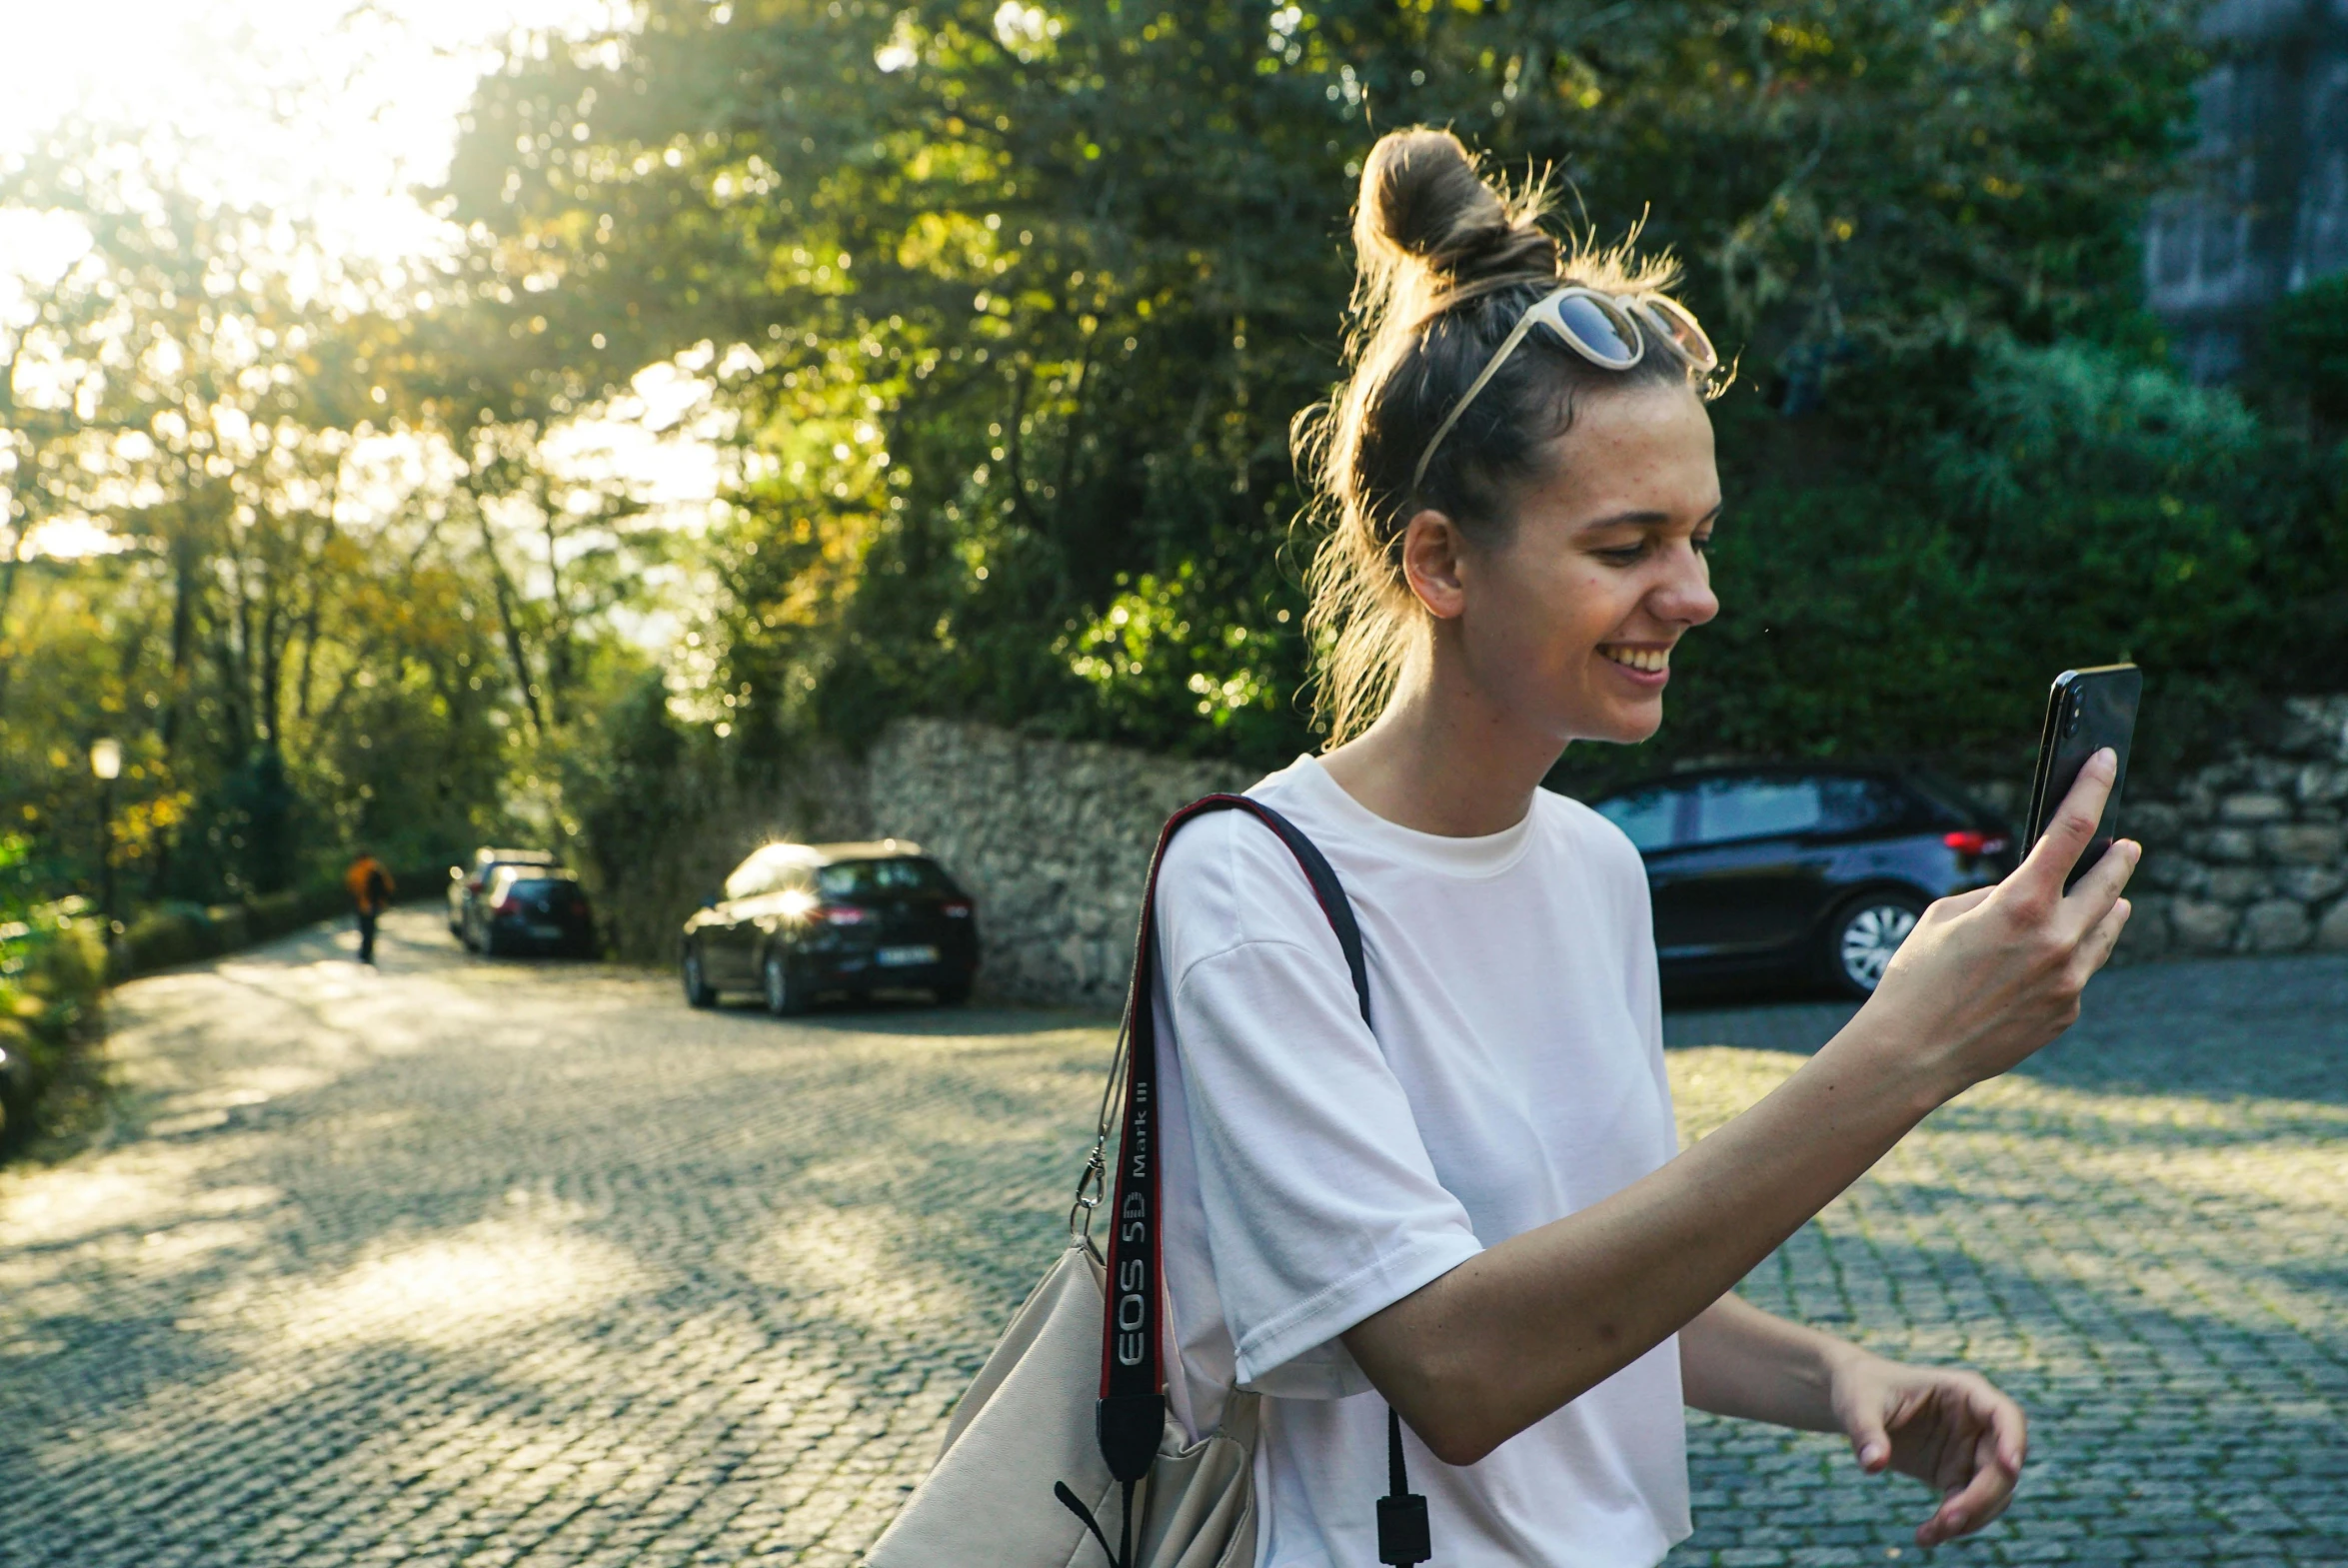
(1862, 939)
(954, 993)
(698, 992)
(783, 998)
(489, 943)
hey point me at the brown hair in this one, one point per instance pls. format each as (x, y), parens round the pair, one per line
(1446, 262)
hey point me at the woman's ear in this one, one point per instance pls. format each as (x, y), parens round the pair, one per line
(1431, 547)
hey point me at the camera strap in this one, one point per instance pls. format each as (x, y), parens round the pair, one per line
(1131, 1414)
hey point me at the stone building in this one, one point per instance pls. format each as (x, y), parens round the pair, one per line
(2267, 212)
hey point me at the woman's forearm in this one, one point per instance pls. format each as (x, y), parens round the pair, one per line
(1985, 978)
(1520, 1330)
(1738, 1360)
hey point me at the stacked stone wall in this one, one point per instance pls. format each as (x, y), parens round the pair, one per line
(1052, 838)
(2250, 855)
(2247, 854)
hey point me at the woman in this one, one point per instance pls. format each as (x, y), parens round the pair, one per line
(1478, 1213)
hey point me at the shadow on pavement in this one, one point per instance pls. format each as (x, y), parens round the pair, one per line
(550, 1267)
(910, 1018)
(2271, 1027)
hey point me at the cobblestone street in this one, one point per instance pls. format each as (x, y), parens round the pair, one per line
(501, 1264)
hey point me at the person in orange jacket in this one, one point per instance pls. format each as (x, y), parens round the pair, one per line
(371, 893)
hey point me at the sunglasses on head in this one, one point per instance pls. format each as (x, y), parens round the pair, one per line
(1610, 331)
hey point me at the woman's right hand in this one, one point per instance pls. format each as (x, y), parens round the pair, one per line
(1989, 976)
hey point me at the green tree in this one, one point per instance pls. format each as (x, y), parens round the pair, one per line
(1016, 301)
(281, 637)
(2307, 349)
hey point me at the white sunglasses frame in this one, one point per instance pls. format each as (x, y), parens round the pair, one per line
(1639, 310)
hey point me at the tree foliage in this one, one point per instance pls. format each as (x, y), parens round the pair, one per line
(1002, 311)
(302, 622)
(2080, 508)
(1016, 301)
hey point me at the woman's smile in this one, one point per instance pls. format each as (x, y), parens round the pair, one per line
(1646, 666)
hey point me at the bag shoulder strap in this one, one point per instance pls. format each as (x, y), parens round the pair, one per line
(1131, 1414)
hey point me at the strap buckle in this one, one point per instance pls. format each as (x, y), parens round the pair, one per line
(1090, 1187)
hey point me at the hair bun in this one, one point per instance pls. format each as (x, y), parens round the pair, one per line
(1424, 202)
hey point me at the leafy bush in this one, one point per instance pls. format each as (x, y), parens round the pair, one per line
(1178, 667)
(167, 936)
(176, 932)
(52, 970)
(2080, 507)
(2307, 347)
(69, 968)
(280, 913)
(229, 927)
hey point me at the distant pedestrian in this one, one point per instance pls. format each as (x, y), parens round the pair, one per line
(371, 893)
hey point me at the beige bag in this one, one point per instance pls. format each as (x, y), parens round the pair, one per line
(1066, 1428)
(1027, 1423)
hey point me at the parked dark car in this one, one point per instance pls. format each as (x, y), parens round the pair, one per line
(1803, 872)
(532, 909)
(798, 920)
(467, 883)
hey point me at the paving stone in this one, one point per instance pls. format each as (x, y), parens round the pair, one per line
(492, 1264)
(2140, 1236)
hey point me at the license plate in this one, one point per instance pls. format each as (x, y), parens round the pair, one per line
(545, 932)
(896, 957)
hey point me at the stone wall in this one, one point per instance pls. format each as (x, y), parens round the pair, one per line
(1052, 840)
(707, 819)
(2251, 854)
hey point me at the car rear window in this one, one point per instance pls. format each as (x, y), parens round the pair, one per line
(1757, 808)
(1650, 818)
(1853, 804)
(1773, 806)
(770, 869)
(537, 886)
(1954, 800)
(884, 878)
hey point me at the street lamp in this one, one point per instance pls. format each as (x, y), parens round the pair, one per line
(106, 763)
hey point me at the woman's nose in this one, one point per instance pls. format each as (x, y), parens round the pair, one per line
(1687, 596)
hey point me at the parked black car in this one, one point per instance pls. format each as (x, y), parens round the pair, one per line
(1803, 872)
(532, 909)
(468, 883)
(799, 920)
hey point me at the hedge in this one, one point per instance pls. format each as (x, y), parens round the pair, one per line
(177, 933)
(55, 968)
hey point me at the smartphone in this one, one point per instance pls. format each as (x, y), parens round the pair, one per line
(2087, 710)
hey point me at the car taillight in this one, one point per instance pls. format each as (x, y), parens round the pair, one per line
(509, 906)
(956, 911)
(842, 914)
(1967, 842)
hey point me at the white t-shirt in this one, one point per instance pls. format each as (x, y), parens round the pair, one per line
(1316, 1173)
